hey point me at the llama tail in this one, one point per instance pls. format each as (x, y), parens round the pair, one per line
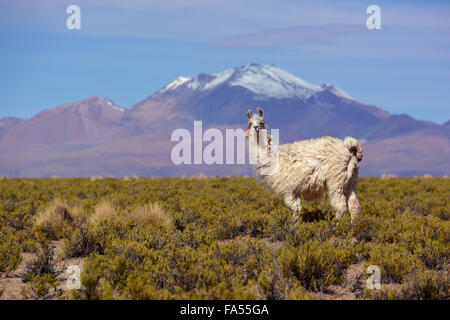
(354, 147)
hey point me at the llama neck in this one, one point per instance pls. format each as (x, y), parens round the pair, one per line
(259, 147)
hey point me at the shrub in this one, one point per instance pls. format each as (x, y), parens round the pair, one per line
(152, 214)
(39, 272)
(380, 294)
(58, 218)
(435, 254)
(316, 264)
(10, 250)
(394, 260)
(80, 243)
(42, 263)
(104, 211)
(232, 239)
(427, 285)
(38, 285)
(319, 230)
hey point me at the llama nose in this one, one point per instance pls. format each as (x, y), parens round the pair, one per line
(257, 129)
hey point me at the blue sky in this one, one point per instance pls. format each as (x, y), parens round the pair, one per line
(126, 50)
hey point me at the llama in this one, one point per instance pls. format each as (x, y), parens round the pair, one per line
(306, 168)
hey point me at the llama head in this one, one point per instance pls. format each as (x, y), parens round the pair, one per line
(256, 121)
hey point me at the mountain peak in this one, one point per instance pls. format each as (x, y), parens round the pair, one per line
(93, 102)
(263, 80)
(175, 84)
(266, 80)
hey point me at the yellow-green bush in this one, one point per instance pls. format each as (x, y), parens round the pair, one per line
(394, 260)
(228, 238)
(427, 285)
(10, 250)
(317, 264)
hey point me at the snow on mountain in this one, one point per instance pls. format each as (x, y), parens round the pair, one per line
(174, 84)
(336, 91)
(112, 105)
(263, 80)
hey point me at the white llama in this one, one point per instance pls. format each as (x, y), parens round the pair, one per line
(306, 168)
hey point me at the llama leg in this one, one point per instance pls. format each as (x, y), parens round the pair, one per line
(352, 200)
(339, 203)
(353, 204)
(295, 204)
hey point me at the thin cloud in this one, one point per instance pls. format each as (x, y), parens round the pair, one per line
(292, 36)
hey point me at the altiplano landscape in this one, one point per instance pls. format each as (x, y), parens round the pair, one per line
(95, 136)
(219, 238)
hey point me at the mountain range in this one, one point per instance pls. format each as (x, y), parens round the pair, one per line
(95, 136)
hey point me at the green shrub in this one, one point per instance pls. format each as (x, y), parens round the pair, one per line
(427, 285)
(38, 285)
(10, 250)
(394, 260)
(80, 243)
(316, 264)
(380, 294)
(231, 238)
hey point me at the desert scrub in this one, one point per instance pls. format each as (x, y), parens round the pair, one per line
(58, 218)
(317, 264)
(427, 285)
(435, 254)
(304, 232)
(104, 211)
(231, 238)
(38, 285)
(380, 294)
(151, 214)
(394, 260)
(10, 250)
(39, 274)
(80, 243)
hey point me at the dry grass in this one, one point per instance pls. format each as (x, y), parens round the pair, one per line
(105, 210)
(202, 176)
(126, 178)
(427, 176)
(58, 216)
(388, 176)
(152, 214)
(95, 178)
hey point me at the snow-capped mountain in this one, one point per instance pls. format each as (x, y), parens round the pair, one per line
(265, 81)
(290, 102)
(95, 136)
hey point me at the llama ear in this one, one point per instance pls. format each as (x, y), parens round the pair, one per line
(260, 112)
(249, 113)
